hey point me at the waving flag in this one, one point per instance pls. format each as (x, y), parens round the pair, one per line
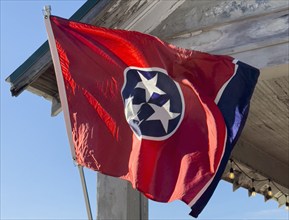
(164, 118)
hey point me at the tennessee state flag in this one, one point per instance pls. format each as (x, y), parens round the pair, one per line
(164, 118)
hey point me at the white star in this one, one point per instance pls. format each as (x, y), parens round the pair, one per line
(149, 85)
(163, 114)
(131, 110)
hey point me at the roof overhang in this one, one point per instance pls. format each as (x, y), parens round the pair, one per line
(255, 32)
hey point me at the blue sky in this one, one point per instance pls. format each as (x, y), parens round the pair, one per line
(38, 178)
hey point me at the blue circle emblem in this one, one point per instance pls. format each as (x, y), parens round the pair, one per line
(153, 103)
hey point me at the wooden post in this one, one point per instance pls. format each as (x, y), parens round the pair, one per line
(116, 199)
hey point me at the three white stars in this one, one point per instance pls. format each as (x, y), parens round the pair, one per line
(161, 113)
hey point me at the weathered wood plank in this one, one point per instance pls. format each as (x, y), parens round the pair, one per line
(276, 71)
(265, 57)
(240, 37)
(155, 12)
(193, 15)
(117, 12)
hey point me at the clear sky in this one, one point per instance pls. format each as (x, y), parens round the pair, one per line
(38, 178)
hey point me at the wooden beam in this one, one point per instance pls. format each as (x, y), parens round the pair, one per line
(272, 72)
(116, 199)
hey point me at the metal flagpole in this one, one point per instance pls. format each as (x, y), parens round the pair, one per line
(85, 193)
(64, 104)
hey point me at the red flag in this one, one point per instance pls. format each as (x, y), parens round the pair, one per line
(147, 111)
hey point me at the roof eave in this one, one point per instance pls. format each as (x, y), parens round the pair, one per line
(29, 71)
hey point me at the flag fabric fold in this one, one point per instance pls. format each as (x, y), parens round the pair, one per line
(164, 118)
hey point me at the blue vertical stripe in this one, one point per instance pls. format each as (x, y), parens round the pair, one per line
(234, 105)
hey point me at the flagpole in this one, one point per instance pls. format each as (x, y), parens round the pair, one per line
(85, 193)
(64, 104)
